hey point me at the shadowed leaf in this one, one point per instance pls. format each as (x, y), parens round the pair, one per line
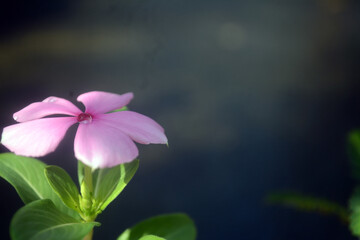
(309, 203)
(63, 185)
(170, 227)
(42, 220)
(27, 176)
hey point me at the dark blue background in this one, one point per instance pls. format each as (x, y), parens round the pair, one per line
(255, 96)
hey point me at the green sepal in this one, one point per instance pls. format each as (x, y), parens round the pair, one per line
(176, 226)
(27, 176)
(42, 220)
(64, 186)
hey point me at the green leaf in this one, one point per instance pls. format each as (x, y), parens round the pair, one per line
(127, 171)
(170, 226)
(354, 205)
(151, 237)
(109, 182)
(42, 220)
(354, 153)
(124, 108)
(105, 183)
(125, 235)
(64, 186)
(309, 203)
(27, 176)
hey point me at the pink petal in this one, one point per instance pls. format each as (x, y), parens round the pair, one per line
(36, 138)
(102, 102)
(50, 106)
(99, 145)
(140, 128)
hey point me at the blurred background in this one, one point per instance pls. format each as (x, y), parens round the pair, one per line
(255, 96)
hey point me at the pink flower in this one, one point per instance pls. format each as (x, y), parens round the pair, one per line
(102, 140)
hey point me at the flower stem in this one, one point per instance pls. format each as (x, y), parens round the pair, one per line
(89, 235)
(86, 189)
(87, 195)
(88, 178)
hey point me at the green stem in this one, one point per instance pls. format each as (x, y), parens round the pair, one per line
(89, 235)
(88, 178)
(87, 196)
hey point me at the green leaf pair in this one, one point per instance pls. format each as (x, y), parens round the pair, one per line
(42, 220)
(56, 210)
(105, 183)
(53, 203)
(98, 188)
(27, 176)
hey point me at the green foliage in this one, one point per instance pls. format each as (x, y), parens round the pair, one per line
(151, 237)
(125, 108)
(170, 227)
(354, 153)
(108, 183)
(308, 203)
(27, 176)
(64, 186)
(127, 171)
(354, 205)
(105, 183)
(42, 220)
(54, 205)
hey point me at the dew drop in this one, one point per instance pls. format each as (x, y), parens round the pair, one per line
(84, 118)
(50, 100)
(15, 117)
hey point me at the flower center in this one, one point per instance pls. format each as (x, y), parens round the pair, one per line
(84, 118)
